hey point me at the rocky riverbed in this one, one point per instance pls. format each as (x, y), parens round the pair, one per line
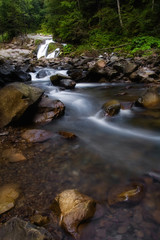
(79, 162)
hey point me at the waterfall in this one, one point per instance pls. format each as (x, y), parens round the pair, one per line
(43, 50)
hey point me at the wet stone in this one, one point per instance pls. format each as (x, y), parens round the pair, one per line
(8, 195)
(111, 107)
(129, 194)
(22, 230)
(13, 155)
(36, 135)
(67, 135)
(75, 208)
(150, 100)
(39, 220)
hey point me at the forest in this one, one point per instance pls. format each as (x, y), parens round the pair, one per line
(92, 23)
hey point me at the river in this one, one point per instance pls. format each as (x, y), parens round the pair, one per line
(108, 151)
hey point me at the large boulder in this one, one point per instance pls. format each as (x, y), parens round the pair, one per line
(143, 74)
(67, 83)
(9, 74)
(18, 229)
(75, 208)
(125, 67)
(55, 79)
(16, 99)
(97, 71)
(150, 99)
(48, 109)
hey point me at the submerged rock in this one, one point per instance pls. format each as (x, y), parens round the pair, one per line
(111, 107)
(37, 135)
(129, 194)
(18, 229)
(48, 109)
(16, 98)
(150, 100)
(67, 135)
(8, 195)
(75, 208)
(13, 155)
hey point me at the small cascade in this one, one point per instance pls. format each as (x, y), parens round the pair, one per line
(43, 50)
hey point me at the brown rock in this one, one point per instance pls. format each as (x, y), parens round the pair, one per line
(8, 195)
(13, 155)
(48, 109)
(111, 107)
(15, 99)
(67, 135)
(36, 135)
(101, 63)
(130, 194)
(18, 229)
(39, 220)
(150, 100)
(75, 208)
(55, 79)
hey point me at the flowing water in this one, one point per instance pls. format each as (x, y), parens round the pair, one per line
(108, 152)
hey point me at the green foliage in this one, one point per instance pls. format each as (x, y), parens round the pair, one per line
(52, 47)
(67, 49)
(143, 45)
(18, 17)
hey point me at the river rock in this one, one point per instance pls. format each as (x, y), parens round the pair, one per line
(55, 79)
(42, 73)
(111, 107)
(8, 195)
(143, 74)
(16, 99)
(9, 74)
(39, 220)
(129, 194)
(36, 135)
(48, 109)
(150, 100)
(101, 63)
(125, 67)
(67, 135)
(75, 208)
(13, 155)
(67, 83)
(20, 76)
(18, 229)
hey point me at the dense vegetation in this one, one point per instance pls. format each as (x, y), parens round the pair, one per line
(90, 24)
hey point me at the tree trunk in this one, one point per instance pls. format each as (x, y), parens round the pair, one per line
(152, 5)
(78, 2)
(119, 13)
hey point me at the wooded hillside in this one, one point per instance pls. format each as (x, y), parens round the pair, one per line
(93, 22)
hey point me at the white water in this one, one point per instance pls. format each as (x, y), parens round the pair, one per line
(43, 50)
(49, 72)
